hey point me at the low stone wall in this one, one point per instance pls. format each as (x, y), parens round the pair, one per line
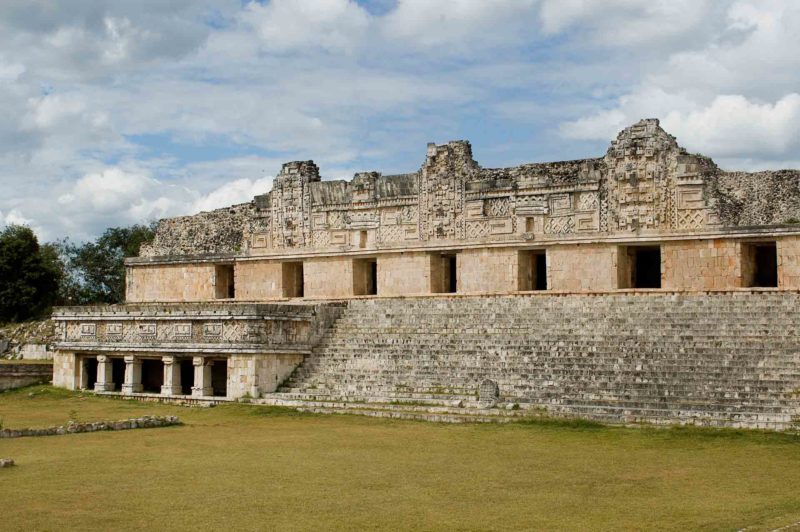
(145, 422)
(17, 375)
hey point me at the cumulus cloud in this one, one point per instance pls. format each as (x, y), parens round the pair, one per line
(734, 98)
(285, 25)
(630, 22)
(121, 112)
(459, 23)
(235, 192)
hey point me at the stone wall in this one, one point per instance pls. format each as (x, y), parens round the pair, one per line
(174, 282)
(145, 422)
(583, 267)
(65, 370)
(254, 375)
(216, 232)
(755, 198)
(329, 277)
(644, 182)
(789, 262)
(16, 375)
(404, 274)
(259, 280)
(701, 265)
(488, 270)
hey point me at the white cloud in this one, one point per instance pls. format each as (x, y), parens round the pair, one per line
(15, 217)
(233, 193)
(629, 22)
(734, 98)
(459, 23)
(126, 111)
(733, 126)
(285, 25)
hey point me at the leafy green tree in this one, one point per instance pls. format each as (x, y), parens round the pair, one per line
(29, 275)
(95, 271)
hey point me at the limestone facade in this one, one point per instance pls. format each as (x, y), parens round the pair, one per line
(454, 226)
(196, 350)
(230, 303)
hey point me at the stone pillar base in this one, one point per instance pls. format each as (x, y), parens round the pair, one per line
(202, 392)
(104, 386)
(171, 390)
(132, 388)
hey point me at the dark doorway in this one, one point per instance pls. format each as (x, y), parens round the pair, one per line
(224, 288)
(372, 278)
(365, 277)
(292, 277)
(763, 264)
(532, 270)
(219, 378)
(541, 272)
(118, 373)
(152, 375)
(451, 275)
(90, 373)
(187, 376)
(646, 267)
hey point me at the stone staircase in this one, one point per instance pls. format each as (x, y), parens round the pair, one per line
(728, 359)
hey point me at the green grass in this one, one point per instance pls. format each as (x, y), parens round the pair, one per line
(242, 467)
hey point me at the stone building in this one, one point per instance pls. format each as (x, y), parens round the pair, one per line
(230, 302)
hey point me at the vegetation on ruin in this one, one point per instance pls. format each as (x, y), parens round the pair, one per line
(34, 276)
(30, 275)
(94, 272)
(248, 467)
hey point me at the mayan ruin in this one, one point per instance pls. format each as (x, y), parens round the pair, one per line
(644, 285)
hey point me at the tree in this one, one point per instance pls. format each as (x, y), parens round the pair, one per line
(95, 271)
(29, 275)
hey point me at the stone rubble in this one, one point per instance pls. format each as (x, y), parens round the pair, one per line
(73, 427)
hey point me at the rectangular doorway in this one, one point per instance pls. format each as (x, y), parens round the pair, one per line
(760, 265)
(89, 375)
(224, 287)
(117, 373)
(532, 270)
(292, 279)
(365, 277)
(219, 377)
(187, 376)
(640, 267)
(152, 375)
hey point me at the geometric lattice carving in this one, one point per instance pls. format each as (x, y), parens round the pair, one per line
(478, 229)
(498, 207)
(560, 226)
(391, 233)
(691, 219)
(588, 201)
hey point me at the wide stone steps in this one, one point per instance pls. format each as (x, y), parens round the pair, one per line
(460, 411)
(722, 359)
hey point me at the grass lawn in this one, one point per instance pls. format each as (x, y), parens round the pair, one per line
(240, 467)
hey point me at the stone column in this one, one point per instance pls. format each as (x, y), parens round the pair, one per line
(104, 376)
(172, 376)
(133, 375)
(202, 378)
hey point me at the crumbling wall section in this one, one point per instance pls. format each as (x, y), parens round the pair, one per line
(220, 231)
(755, 198)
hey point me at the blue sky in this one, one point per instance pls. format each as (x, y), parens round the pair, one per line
(124, 112)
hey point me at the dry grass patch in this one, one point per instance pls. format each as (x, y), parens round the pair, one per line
(246, 468)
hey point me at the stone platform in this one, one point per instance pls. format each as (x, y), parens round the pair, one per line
(722, 360)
